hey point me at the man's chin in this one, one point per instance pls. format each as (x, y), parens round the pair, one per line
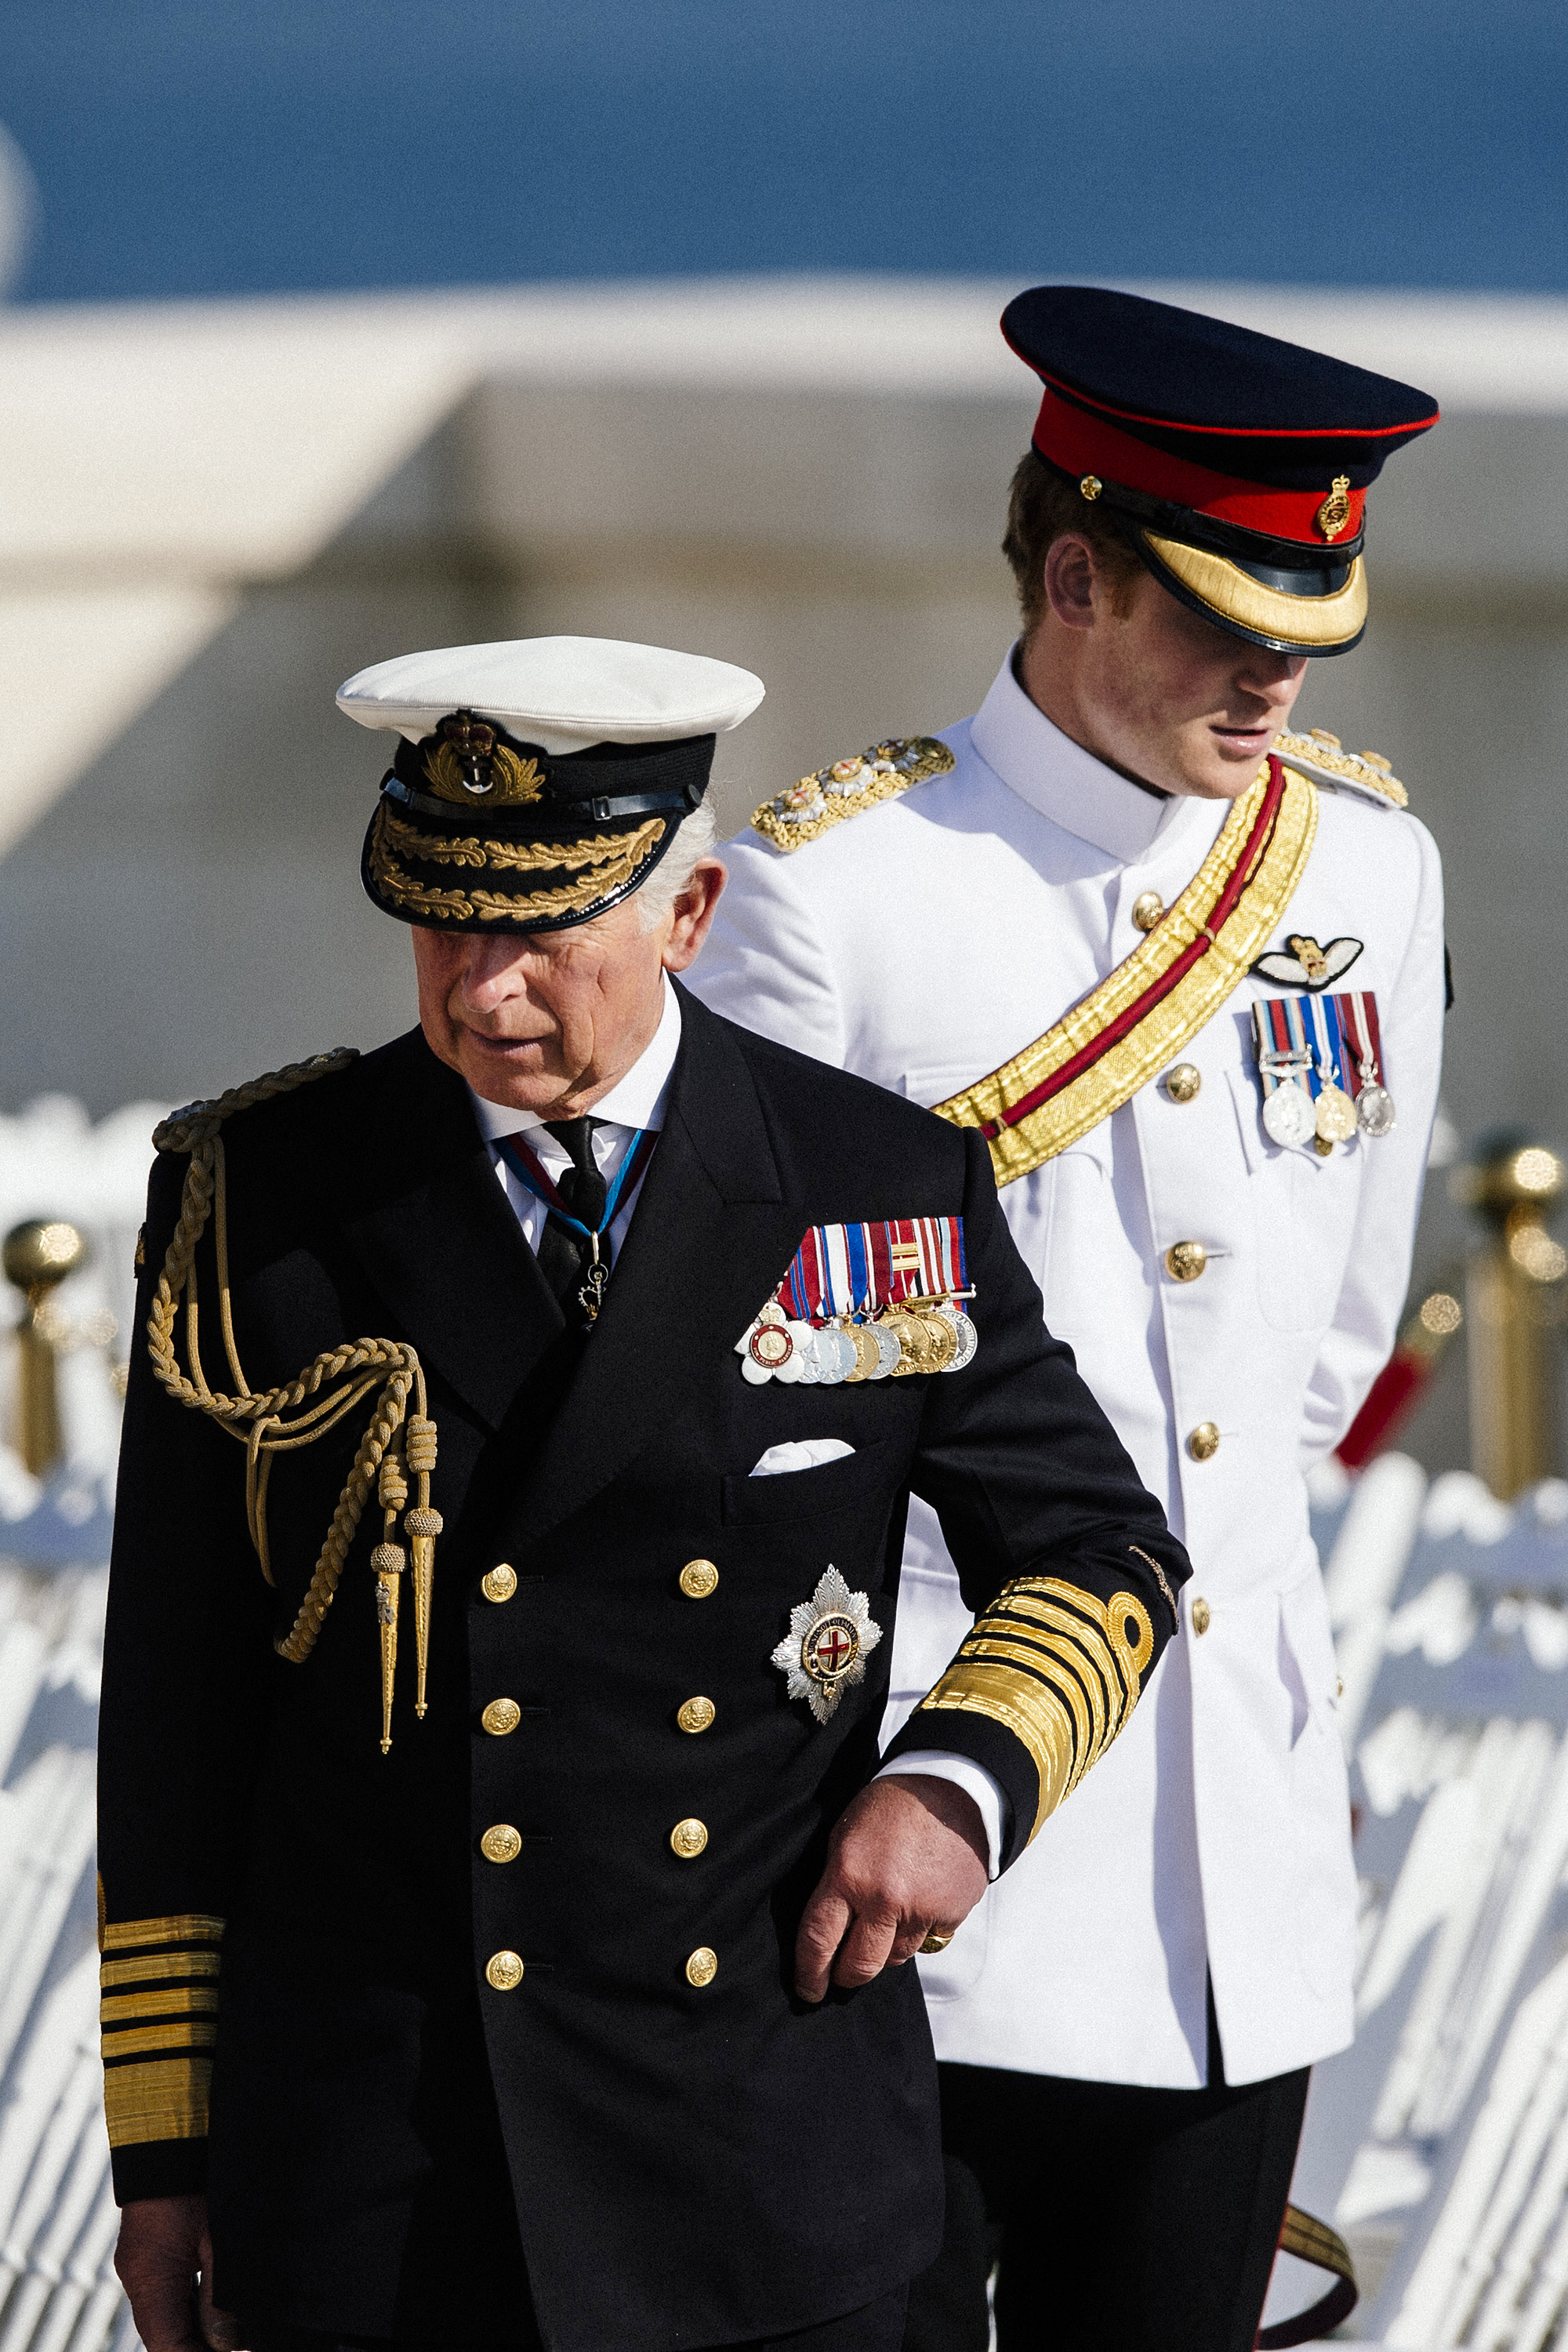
(516, 1072)
(1221, 770)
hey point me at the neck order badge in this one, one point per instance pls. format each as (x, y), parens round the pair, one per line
(525, 1166)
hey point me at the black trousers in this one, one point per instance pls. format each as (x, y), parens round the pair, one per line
(878, 2327)
(1142, 2220)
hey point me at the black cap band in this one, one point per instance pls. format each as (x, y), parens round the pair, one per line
(627, 779)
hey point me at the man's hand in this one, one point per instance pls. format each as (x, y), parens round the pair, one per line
(909, 1855)
(165, 2258)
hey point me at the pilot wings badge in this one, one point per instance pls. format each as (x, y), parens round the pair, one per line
(829, 1638)
(1308, 965)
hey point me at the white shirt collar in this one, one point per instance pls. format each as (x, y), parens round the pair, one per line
(1056, 776)
(635, 1100)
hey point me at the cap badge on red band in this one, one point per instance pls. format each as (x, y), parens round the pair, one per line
(1335, 511)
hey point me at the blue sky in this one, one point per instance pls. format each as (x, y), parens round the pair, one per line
(195, 147)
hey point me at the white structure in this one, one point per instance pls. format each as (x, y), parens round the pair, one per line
(57, 2217)
(211, 513)
(1439, 2143)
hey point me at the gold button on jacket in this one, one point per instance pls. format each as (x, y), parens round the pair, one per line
(1200, 1617)
(503, 1971)
(698, 1579)
(1147, 910)
(500, 1583)
(696, 1715)
(1182, 1081)
(1203, 1442)
(1184, 1261)
(688, 1838)
(500, 1843)
(702, 1967)
(502, 1716)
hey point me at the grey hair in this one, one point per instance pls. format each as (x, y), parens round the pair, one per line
(693, 841)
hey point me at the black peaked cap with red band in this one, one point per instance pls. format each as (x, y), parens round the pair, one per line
(1236, 465)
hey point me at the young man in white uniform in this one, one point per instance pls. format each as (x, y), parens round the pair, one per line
(1213, 1169)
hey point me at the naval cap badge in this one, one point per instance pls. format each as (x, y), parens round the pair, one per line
(468, 761)
(829, 1638)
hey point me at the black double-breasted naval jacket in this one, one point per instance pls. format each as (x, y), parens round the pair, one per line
(394, 2143)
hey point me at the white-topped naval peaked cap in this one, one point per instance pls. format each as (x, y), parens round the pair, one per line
(565, 694)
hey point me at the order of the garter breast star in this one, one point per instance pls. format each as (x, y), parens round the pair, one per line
(829, 1638)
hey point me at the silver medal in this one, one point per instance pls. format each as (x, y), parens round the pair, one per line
(1375, 1110)
(804, 1354)
(968, 1339)
(836, 1357)
(888, 1352)
(1289, 1115)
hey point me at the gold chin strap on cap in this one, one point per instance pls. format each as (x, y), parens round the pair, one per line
(269, 1421)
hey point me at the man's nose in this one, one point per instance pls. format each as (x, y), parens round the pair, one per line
(488, 978)
(1267, 672)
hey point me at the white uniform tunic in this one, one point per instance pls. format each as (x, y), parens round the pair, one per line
(922, 944)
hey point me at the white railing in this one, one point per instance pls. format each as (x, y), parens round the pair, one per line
(1442, 2136)
(57, 2218)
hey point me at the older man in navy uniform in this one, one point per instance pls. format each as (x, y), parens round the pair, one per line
(500, 1904)
(1177, 961)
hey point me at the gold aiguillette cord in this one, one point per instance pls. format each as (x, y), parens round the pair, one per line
(269, 1421)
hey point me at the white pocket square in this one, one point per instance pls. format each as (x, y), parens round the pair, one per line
(801, 1453)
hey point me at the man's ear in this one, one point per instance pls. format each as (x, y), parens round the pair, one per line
(694, 913)
(1069, 581)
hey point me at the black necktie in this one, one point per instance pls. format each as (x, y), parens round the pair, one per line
(566, 1258)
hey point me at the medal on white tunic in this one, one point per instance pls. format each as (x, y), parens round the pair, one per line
(1358, 1025)
(1317, 1058)
(1335, 1109)
(1288, 1114)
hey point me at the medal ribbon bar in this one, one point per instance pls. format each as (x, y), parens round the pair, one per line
(1358, 1026)
(1309, 1039)
(849, 1270)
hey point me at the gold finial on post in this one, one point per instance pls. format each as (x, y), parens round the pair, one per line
(36, 1256)
(1514, 1306)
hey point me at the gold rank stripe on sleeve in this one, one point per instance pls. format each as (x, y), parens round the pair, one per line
(159, 2019)
(1098, 1056)
(1057, 1667)
(825, 798)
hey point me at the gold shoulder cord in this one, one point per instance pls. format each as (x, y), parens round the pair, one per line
(269, 1421)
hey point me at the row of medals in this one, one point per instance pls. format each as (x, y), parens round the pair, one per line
(1292, 1116)
(928, 1335)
